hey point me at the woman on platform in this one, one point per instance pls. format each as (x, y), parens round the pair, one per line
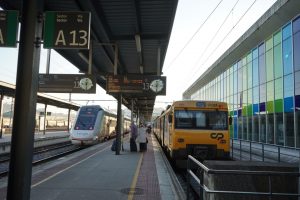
(142, 138)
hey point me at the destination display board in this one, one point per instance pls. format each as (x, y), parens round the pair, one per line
(9, 28)
(149, 85)
(64, 29)
(67, 83)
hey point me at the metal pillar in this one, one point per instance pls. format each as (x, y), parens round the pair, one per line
(1, 114)
(45, 117)
(20, 168)
(131, 110)
(69, 113)
(119, 124)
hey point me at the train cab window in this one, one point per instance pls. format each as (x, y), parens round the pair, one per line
(196, 119)
(86, 119)
(184, 119)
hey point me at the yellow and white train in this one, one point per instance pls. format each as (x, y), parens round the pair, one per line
(197, 128)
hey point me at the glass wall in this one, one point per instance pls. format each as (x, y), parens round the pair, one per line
(262, 89)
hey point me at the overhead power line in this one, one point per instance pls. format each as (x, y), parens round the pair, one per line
(188, 42)
(213, 38)
(223, 39)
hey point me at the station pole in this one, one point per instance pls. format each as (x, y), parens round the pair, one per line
(20, 167)
(119, 124)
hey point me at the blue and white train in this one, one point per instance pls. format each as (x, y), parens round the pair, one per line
(93, 124)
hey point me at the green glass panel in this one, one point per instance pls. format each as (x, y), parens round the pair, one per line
(245, 82)
(244, 61)
(269, 44)
(277, 38)
(278, 89)
(270, 97)
(244, 103)
(278, 105)
(269, 64)
(278, 69)
(270, 91)
(270, 106)
(249, 75)
(231, 131)
(249, 105)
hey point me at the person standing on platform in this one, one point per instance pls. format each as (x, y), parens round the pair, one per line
(142, 138)
(133, 130)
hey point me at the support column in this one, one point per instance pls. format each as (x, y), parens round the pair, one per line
(1, 114)
(119, 124)
(45, 117)
(20, 167)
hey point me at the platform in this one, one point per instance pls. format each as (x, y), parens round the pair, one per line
(98, 173)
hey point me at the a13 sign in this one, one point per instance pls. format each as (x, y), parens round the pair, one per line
(67, 30)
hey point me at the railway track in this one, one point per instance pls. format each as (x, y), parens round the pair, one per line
(41, 155)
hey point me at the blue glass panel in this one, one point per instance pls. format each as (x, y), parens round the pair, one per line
(254, 53)
(261, 49)
(288, 86)
(255, 109)
(296, 25)
(262, 107)
(239, 112)
(297, 102)
(297, 83)
(255, 95)
(286, 31)
(297, 51)
(287, 56)
(235, 127)
(288, 104)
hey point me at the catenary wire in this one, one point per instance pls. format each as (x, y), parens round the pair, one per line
(188, 42)
(217, 46)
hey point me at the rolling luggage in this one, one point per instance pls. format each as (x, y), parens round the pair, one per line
(114, 145)
(133, 146)
(143, 146)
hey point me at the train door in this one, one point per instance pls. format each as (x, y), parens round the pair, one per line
(168, 131)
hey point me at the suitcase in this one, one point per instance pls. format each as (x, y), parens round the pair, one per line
(114, 145)
(133, 146)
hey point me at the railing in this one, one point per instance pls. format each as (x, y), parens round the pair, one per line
(195, 181)
(249, 150)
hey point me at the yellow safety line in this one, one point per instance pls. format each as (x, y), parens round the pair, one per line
(134, 181)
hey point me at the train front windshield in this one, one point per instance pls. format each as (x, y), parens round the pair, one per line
(199, 119)
(86, 119)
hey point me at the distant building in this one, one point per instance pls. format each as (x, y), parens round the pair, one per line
(259, 78)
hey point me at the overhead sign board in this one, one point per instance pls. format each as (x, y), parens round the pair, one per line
(67, 83)
(9, 28)
(67, 30)
(148, 85)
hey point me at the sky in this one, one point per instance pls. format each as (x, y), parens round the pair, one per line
(202, 31)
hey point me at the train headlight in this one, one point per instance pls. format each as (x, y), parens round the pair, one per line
(180, 140)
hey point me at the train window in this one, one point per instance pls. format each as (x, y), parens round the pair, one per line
(200, 119)
(196, 119)
(86, 119)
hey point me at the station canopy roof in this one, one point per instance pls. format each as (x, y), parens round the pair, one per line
(125, 23)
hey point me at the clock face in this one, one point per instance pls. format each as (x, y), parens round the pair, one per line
(156, 85)
(86, 83)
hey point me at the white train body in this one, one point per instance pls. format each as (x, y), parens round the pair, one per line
(93, 124)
